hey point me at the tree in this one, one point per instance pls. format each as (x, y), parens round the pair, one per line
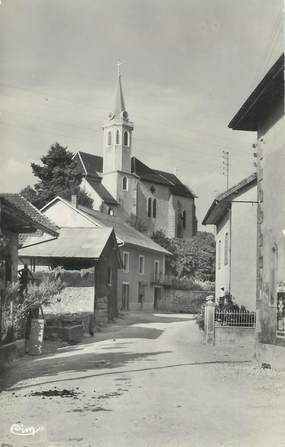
(58, 175)
(194, 258)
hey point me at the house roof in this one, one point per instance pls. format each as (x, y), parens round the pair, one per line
(221, 203)
(81, 243)
(124, 232)
(258, 103)
(102, 191)
(29, 213)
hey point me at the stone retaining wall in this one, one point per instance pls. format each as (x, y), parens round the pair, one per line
(238, 336)
(177, 300)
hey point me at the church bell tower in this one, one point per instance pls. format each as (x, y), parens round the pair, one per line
(117, 135)
(117, 154)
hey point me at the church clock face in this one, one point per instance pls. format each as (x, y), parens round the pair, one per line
(124, 115)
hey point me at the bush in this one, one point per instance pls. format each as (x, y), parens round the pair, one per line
(17, 306)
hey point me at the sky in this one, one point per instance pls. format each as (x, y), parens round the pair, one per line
(187, 67)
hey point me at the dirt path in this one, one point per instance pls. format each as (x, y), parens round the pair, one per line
(148, 383)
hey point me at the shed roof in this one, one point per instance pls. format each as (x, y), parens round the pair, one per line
(221, 203)
(25, 210)
(81, 243)
(124, 232)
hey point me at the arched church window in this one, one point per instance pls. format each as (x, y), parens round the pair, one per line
(126, 138)
(154, 208)
(117, 136)
(149, 206)
(109, 138)
(125, 183)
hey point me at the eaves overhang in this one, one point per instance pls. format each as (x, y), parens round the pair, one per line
(255, 107)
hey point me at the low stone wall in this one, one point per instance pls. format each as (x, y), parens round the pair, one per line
(73, 304)
(72, 300)
(182, 301)
(232, 335)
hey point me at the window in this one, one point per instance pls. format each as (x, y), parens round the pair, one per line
(125, 183)
(154, 208)
(126, 261)
(117, 137)
(273, 274)
(109, 276)
(156, 270)
(111, 212)
(184, 219)
(149, 203)
(126, 138)
(226, 256)
(141, 264)
(219, 254)
(109, 138)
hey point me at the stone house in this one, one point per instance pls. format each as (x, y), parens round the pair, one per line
(263, 113)
(91, 251)
(234, 214)
(121, 185)
(140, 281)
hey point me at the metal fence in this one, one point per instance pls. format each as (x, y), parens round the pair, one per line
(235, 318)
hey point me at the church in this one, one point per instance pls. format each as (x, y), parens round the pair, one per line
(123, 186)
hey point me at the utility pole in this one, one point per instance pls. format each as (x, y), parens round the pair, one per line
(226, 166)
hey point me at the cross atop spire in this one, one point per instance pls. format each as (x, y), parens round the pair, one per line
(119, 63)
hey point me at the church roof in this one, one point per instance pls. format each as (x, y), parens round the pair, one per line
(102, 191)
(177, 188)
(93, 168)
(90, 164)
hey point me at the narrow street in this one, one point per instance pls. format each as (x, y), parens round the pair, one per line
(146, 381)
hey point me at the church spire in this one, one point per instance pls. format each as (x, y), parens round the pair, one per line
(119, 106)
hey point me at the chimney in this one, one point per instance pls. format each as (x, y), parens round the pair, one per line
(74, 200)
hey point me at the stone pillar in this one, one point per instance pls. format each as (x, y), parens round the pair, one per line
(209, 319)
